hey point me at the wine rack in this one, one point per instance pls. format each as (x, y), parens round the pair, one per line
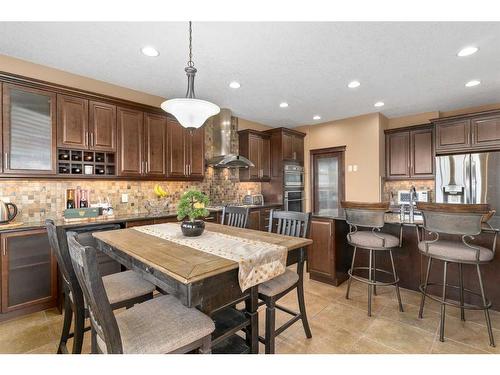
(86, 163)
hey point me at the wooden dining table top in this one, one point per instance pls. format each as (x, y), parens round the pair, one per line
(183, 263)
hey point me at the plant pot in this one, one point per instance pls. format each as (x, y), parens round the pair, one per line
(192, 228)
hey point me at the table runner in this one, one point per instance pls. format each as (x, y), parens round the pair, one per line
(258, 261)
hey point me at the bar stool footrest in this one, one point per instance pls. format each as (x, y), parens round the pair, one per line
(466, 306)
(367, 281)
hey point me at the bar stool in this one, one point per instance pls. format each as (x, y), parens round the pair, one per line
(371, 217)
(458, 220)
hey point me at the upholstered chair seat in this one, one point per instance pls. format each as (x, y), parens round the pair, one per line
(456, 251)
(279, 284)
(160, 325)
(125, 286)
(369, 240)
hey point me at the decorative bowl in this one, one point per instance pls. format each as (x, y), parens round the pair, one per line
(156, 206)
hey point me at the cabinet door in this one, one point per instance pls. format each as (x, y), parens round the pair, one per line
(196, 152)
(72, 122)
(320, 253)
(176, 161)
(397, 155)
(254, 149)
(29, 270)
(453, 135)
(486, 131)
(265, 159)
(130, 142)
(287, 146)
(254, 220)
(298, 148)
(29, 130)
(102, 126)
(422, 153)
(155, 145)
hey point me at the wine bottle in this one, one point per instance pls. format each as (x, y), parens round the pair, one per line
(70, 200)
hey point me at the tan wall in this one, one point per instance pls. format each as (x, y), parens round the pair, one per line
(247, 124)
(361, 135)
(486, 107)
(417, 119)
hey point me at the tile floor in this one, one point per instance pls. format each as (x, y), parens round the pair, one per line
(338, 326)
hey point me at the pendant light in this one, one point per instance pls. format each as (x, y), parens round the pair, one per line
(189, 111)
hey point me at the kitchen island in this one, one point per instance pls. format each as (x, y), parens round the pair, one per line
(330, 256)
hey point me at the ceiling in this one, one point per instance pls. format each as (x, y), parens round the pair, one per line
(412, 67)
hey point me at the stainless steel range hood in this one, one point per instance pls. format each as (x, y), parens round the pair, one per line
(221, 138)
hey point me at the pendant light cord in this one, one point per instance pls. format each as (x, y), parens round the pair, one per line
(190, 62)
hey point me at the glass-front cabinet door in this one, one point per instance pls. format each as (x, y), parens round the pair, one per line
(328, 182)
(29, 130)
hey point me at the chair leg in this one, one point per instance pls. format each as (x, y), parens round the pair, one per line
(79, 329)
(461, 282)
(302, 309)
(350, 278)
(398, 294)
(68, 317)
(270, 327)
(206, 345)
(486, 310)
(374, 272)
(422, 300)
(93, 341)
(443, 305)
(369, 285)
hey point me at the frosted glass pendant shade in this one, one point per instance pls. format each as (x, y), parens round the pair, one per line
(190, 112)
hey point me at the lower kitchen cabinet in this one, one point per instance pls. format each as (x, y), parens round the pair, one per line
(328, 257)
(28, 272)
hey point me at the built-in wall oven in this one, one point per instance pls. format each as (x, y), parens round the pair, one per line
(294, 200)
(293, 176)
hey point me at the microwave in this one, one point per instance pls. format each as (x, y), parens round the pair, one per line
(293, 176)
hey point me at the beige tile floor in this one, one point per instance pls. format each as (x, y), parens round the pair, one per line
(338, 326)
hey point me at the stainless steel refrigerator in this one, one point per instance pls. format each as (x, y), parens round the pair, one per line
(469, 178)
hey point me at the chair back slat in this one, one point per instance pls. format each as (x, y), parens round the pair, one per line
(290, 223)
(103, 320)
(369, 215)
(235, 216)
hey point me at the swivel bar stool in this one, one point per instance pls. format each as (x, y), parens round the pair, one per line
(370, 217)
(462, 221)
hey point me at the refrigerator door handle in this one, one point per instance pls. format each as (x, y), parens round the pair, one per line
(473, 181)
(468, 188)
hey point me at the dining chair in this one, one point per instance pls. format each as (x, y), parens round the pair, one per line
(235, 216)
(159, 325)
(452, 228)
(294, 224)
(124, 289)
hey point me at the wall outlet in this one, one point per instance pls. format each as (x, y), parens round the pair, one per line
(124, 198)
(355, 168)
(349, 168)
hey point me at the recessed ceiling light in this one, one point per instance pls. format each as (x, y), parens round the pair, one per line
(353, 84)
(467, 51)
(473, 83)
(379, 104)
(317, 117)
(235, 85)
(283, 104)
(150, 51)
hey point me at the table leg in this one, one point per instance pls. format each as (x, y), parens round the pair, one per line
(252, 334)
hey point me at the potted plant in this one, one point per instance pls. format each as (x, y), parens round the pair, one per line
(191, 210)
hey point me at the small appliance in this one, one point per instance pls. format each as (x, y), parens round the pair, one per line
(404, 196)
(253, 200)
(6, 215)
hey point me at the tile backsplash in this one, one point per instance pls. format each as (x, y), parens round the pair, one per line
(390, 192)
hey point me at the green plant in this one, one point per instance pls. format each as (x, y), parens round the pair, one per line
(192, 205)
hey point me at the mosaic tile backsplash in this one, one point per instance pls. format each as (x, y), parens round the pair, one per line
(390, 192)
(40, 199)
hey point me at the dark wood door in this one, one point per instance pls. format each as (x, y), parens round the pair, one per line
(29, 130)
(102, 126)
(422, 153)
(29, 270)
(130, 142)
(177, 160)
(320, 254)
(254, 220)
(398, 155)
(265, 159)
(298, 148)
(196, 152)
(155, 145)
(453, 135)
(72, 122)
(486, 131)
(287, 146)
(254, 149)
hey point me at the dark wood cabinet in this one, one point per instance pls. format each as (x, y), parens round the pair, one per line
(130, 124)
(155, 145)
(29, 131)
(486, 131)
(453, 135)
(293, 146)
(102, 126)
(186, 152)
(255, 146)
(409, 153)
(254, 220)
(29, 272)
(72, 122)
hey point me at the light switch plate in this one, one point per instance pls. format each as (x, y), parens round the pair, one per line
(124, 198)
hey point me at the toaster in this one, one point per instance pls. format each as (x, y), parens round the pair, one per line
(253, 200)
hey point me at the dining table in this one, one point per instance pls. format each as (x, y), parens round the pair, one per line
(200, 279)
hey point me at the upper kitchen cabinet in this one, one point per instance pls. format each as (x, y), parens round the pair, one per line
(130, 124)
(468, 133)
(102, 126)
(29, 131)
(186, 152)
(255, 146)
(155, 145)
(409, 153)
(292, 145)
